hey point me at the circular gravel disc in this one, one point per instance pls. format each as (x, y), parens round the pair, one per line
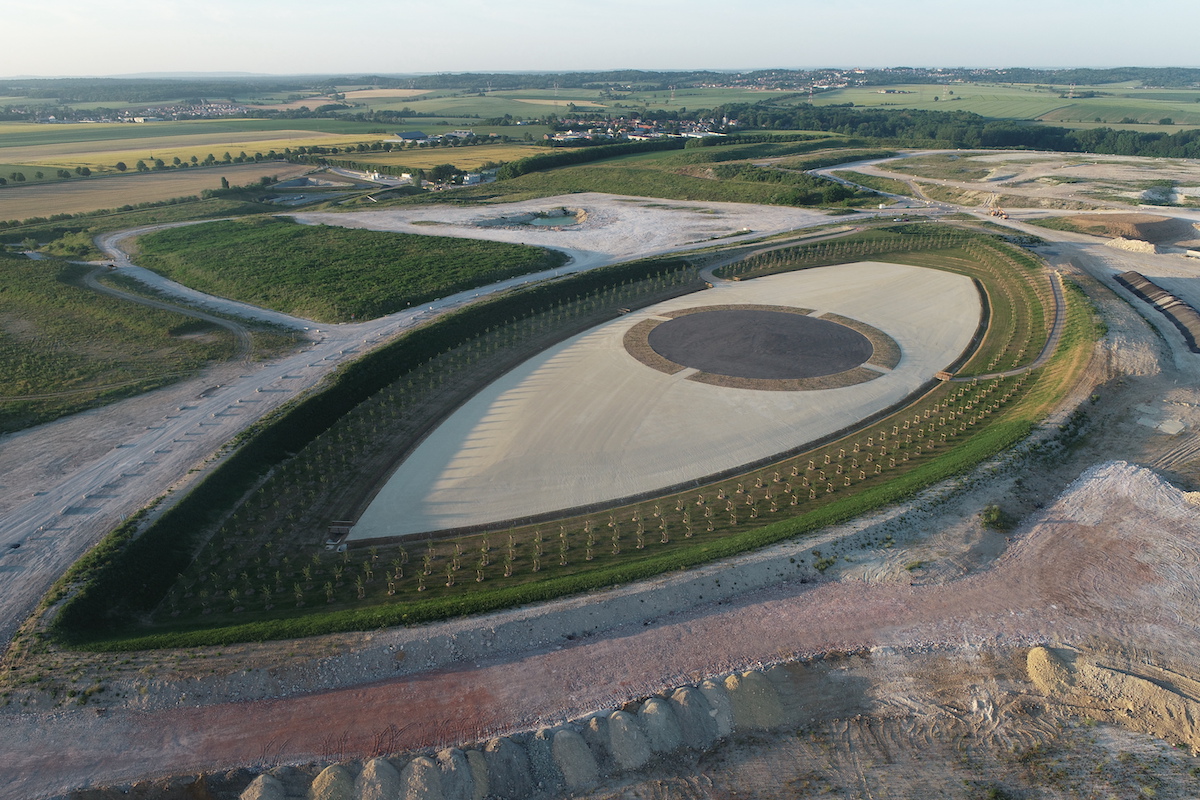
(771, 345)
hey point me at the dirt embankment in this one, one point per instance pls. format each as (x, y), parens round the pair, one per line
(1142, 227)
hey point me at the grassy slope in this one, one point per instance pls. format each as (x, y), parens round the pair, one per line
(718, 174)
(57, 337)
(329, 273)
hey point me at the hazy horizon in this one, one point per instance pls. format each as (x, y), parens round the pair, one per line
(273, 38)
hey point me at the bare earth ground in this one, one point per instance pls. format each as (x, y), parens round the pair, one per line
(1114, 559)
(584, 422)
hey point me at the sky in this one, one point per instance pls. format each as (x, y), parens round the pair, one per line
(114, 37)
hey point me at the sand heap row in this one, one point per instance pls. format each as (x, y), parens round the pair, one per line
(552, 761)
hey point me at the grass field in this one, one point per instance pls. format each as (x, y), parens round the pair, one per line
(718, 174)
(72, 348)
(1111, 107)
(89, 194)
(331, 274)
(249, 583)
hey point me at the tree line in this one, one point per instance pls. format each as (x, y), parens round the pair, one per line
(960, 129)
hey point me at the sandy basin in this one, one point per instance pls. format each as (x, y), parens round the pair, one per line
(584, 422)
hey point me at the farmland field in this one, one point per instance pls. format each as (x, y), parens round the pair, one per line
(75, 196)
(1110, 107)
(465, 158)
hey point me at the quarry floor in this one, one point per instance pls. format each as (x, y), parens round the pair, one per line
(1106, 555)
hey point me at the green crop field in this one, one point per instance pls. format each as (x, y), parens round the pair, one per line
(990, 101)
(1117, 110)
(1112, 106)
(327, 273)
(250, 581)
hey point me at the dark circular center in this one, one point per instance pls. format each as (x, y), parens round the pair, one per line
(770, 345)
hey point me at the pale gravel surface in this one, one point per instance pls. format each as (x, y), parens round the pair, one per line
(1116, 555)
(617, 228)
(584, 422)
(46, 753)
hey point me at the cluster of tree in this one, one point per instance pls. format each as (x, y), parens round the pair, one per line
(961, 129)
(227, 191)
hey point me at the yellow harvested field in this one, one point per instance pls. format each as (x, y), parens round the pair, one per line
(375, 94)
(73, 197)
(101, 156)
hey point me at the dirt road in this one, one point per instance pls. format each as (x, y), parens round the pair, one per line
(1134, 578)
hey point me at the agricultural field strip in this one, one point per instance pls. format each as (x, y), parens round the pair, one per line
(159, 145)
(85, 195)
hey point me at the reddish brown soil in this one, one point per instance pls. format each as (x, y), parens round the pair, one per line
(1132, 577)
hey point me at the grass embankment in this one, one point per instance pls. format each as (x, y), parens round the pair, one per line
(64, 347)
(876, 182)
(125, 573)
(264, 575)
(331, 274)
(719, 173)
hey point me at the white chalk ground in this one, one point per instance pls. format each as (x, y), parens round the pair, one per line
(616, 228)
(584, 422)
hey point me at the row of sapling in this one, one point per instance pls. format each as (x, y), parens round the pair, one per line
(272, 562)
(789, 488)
(256, 531)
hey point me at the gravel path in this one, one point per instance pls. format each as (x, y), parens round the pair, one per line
(1136, 577)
